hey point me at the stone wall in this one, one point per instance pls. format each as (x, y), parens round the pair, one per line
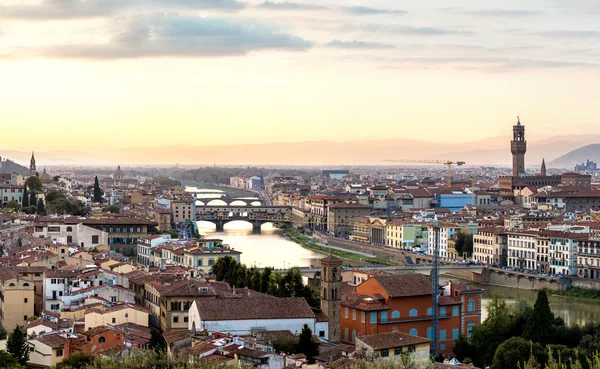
(504, 279)
(381, 252)
(585, 283)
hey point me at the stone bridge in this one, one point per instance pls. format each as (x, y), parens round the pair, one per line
(257, 215)
(421, 269)
(230, 201)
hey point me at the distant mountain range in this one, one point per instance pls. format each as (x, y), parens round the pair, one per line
(493, 151)
(9, 166)
(578, 156)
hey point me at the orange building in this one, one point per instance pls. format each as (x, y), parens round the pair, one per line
(97, 340)
(403, 303)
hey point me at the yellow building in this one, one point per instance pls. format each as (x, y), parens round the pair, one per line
(47, 351)
(183, 209)
(17, 299)
(393, 232)
(120, 314)
(395, 347)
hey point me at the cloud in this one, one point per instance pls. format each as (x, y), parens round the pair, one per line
(60, 9)
(488, 64)
(290, 6)
(405, 30)
(363, 10)
(183, 36)
(358, 45)
(503, 13)
(564, 34)
(199, 4)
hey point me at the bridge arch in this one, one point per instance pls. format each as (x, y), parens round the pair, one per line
(256, 203)
(216, 202)
(238, 203)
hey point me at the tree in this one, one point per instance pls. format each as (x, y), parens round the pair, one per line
(32, 199)
(25, 202)
(78, 360)
(97, 191)
(8, 361)
(539, 326)
(492, 332)
(306, 345)
(34, 183)
(17, 345)
(13, 204)
(517, 351)
(265, 277)
(462, 348)
(464, 243)
(114, 209)
(40, 209)
(3, 333)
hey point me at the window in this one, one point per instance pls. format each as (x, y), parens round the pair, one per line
(442, 347)
(113, 299)
(455, 310)
(353, 337)
(346, 335)
(413, 313)
(69, 229)
(25, 300)
(411, 348)
(95, 239)
(395, 314)
(429, 311)
(59, 352)
(443, 311)
(54, 307)
(397, 351)
(373, 318)
(471, 303)
(443, 335)
(384, 316)
(346, 313)
(455, 333)
(413, 332)
(430, 333)
(322, 333)
(101, 340)
(126, 315)
(362, 316)
(385, 353)
(470, 326)
(175, 319)
(24, 317)
(114, 320)
(185, 319)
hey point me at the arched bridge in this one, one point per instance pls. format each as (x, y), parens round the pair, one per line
(257, 215)
(421, 269)
(229, 201)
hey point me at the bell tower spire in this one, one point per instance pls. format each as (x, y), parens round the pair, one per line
(518, 148)
(32, 168)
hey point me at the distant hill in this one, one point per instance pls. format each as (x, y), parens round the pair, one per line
(578, 156)
(9, 166)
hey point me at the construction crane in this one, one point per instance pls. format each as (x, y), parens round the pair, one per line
(447, 163)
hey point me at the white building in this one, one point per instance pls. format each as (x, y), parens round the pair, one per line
(79, 234)
(248, 314)
(522, 251)
(447, 232)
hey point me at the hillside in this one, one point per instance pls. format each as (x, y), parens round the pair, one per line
(9, 166)
(578, 156)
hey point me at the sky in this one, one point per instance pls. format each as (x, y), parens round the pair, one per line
(106, 74)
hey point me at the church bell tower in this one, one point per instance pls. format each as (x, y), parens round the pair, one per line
(331, 297)
(518, 147)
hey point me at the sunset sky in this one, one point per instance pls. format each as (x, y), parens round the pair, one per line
(98, 74)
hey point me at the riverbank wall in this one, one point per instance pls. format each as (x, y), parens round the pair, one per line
(503, 279)
(380, 252)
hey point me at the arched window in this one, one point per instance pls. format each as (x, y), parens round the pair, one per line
(101, 340)
(25, 284)
(346, 334)
(69, 240)
(11, 285)
(430, 333)
(324, 294)
(395, 314)
(353, 336)
(430, 311)
(413, 313)
(413, 332)
(69, 229)
(470, 327)
(471, 303)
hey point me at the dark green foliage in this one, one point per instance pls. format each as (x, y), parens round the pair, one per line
(7, 361)
(25, 202)
(517, 351)
(3, 333)
(29, 209)
(286, 346)
(12, 204)
(58, 203)
(539, 325)
(97, 191)
(306, 345)
(32, 199)
(166, 181)
(33, 183)
(464, 244)
(463, 349)
(77, 360)
(114, 209)
(40, 208)
(17, 345)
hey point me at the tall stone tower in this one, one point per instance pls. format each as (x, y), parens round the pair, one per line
(32, 168)
(331, 297)
(543, 170)
(518, 147)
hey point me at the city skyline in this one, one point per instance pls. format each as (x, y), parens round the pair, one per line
(106, 75)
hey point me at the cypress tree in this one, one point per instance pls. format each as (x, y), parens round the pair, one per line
(97, 191)
(17, 346)
(540, 324)
(32, 199)
(41, 209)
(25, 201)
